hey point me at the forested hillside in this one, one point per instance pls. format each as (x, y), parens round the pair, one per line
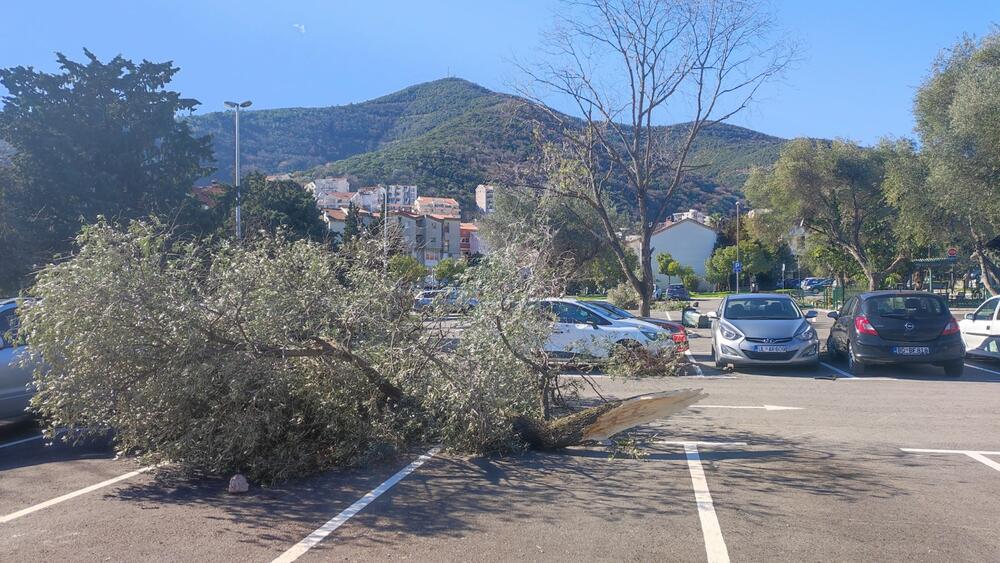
(446, 136)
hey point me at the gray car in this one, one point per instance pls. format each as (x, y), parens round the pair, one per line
(14, 378)
(763, 328)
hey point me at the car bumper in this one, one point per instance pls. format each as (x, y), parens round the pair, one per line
(881, 352)
(745, 353)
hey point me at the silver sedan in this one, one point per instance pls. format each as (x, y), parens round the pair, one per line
(762, 328)
(15, 391)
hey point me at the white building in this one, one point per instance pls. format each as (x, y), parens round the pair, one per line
(437, 206)
(320, 186)
(401, 197)
(334, 200)
(485, 198)
(688, 241)
(693, 214)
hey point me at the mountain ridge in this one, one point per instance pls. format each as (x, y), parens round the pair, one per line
(446, 135)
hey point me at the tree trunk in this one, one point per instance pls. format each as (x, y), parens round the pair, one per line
(646, 265)
(604, 421)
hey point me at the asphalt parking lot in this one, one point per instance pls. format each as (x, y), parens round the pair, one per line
(776, 465)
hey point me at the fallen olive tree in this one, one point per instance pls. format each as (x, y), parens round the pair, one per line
(277, 358)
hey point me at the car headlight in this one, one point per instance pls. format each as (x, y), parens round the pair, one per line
(807, 332)
(652, 336)
(729, 332)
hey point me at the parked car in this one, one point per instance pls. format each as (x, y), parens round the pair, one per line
(453, 300)
(791, 283)
(677, 331)
(657, 292)
(762, 328)
(895, 327)
(981, 330)
(815, 284)
(676, 291)
(580, 331)
(15, 380)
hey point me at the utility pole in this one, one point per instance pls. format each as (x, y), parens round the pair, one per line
(236, 167)
(738, 247)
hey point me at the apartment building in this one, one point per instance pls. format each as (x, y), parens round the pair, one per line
(437, 206)
(484, 198)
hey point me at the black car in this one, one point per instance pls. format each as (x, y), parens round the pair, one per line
(677, 292)
(894, 327)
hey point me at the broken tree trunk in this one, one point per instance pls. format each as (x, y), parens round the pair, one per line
(603, 421)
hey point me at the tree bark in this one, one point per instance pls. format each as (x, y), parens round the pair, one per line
(600, 423)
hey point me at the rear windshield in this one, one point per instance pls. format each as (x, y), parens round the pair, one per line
(907, 306)
(761, 308)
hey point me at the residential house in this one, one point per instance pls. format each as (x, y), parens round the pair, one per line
(692, 214)
(334, 200)
(688, 241)
(485, 198)
(208, 196)
(469, 241)
(437, 206)
(324, 185)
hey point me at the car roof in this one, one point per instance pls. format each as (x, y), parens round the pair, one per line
(900, 292)
(758, 296)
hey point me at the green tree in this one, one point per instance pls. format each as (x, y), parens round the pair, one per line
(406, 269)
(836, 191)
(92, 139)
(352, 224)
(957, 195)
(449, 270)
(667, 265)
(754, 256)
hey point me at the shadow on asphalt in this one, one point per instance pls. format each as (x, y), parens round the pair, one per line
(39, 452)
(452, 496)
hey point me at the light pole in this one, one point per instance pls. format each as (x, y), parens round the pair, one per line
(738, 247)
(237, 107)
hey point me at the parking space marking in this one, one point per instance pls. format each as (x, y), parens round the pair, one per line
(16, 442)
(973, 366)
(979, 456)
(310, 541)
(715, 544)
(74, 494)
(690, 357)
(762, 407)
(841, 372)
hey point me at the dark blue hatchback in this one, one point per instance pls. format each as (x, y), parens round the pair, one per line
(896, 327)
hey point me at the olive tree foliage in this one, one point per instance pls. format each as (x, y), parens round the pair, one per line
(837, 192)
(958, 192)
(627, 66)
(278, 357)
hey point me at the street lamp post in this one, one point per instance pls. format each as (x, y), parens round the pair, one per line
(738, 247)
(236, 167)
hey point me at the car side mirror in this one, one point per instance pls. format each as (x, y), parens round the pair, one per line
(712, 315)
(970, 316)
(832, 314)
(811, 314)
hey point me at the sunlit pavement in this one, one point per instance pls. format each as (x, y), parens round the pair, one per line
(785, 465)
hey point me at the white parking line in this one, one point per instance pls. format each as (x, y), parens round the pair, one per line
(715, 544)
(310, 541)
(976, 455)
(838, 370)
(68, 496)
(16, 442)
(690, 357)
(973, 366)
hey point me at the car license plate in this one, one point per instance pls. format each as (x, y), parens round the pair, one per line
(911, 350)
(771, 348)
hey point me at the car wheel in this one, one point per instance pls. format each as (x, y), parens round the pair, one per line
(853, 365)
(954, 369)
(831, 348)
(716, 358)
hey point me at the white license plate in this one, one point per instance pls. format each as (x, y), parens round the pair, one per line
(911, 350)
(771, 348)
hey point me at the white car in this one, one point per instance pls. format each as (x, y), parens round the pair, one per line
(579, 330)
(981, 330)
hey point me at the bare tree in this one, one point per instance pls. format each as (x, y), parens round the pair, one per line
(627, 66)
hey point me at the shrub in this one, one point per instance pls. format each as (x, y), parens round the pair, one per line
(691, 281)
(624, 295)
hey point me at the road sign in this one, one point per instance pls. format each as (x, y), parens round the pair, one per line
(737, 266)
(952, 252)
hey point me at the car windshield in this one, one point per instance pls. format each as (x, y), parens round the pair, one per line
(905, 306)
(761, 308)
(611, 311)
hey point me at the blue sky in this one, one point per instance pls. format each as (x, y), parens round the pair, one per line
(861, 60)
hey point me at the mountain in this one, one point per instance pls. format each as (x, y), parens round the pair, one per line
(447, 136)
